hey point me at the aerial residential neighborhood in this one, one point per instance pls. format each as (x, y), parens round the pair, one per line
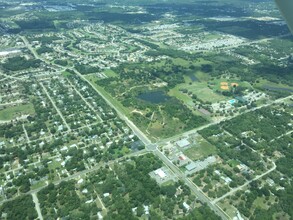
(145, 110)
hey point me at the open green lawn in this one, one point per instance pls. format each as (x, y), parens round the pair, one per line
(200, 61)
(200, 150)
(204, 93)
(54, 165)
(233, 163)
(181, 62)
(168, 183)
(261, 83)
(14, 111)
(229, 209)
(172, 126)
(201, 76)
(262, 203)
(200, 89)
(66, 74)
(181, 96)
(110, 73)
(176, 61)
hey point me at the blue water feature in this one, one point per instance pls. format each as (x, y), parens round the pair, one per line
(154, 97)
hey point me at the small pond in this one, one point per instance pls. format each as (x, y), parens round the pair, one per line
(154, 97)
(193, 77)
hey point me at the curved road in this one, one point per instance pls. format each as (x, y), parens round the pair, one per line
(153, 147)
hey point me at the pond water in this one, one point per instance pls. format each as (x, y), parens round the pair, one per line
(154, 97)
(193, 78)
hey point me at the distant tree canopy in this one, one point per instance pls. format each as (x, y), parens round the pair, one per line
(207, 68)
(86, 69)
(20, 63)
(36, 24)
(44, 49)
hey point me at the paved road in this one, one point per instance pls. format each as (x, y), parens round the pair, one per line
(153, 147)
(175, 137)
(54, 105)
(248, 182)
(81, 173)
(277, 138)
(29, 46)
(26, 135)
(200, 195)
(13, 77)
(86, 102)
(135, 129)
(12, 103)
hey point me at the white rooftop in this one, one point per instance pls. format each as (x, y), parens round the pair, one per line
(183, 143)
(186, 206)
(161, 173)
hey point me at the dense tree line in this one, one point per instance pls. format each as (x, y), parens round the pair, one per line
(63, 198)
(22, 207)
(35, 24)
(20, 63)
(265, 69)
(44, 49)
(61, 62)
(266, 123)
(86, 69)
(201, 213)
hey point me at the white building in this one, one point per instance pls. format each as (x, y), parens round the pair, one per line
(161, 173)
(183, 143)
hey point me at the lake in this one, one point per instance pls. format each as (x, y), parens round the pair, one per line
(154, 97)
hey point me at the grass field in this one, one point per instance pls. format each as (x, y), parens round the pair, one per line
(181, 96)
(233, 163)
(200, 89)
(200, 150)
(201, 76)
(12, 112)
(172, 127)
(264, 82)
(204, 93)
(54, 165)
(262, 203)
(180, 61)
(66, 74)
(110, 73)
(229, 209)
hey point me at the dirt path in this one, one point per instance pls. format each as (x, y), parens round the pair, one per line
(37, 206)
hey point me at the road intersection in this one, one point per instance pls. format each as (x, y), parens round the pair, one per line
(154, 147)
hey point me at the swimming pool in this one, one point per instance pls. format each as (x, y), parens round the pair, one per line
(232, 101)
